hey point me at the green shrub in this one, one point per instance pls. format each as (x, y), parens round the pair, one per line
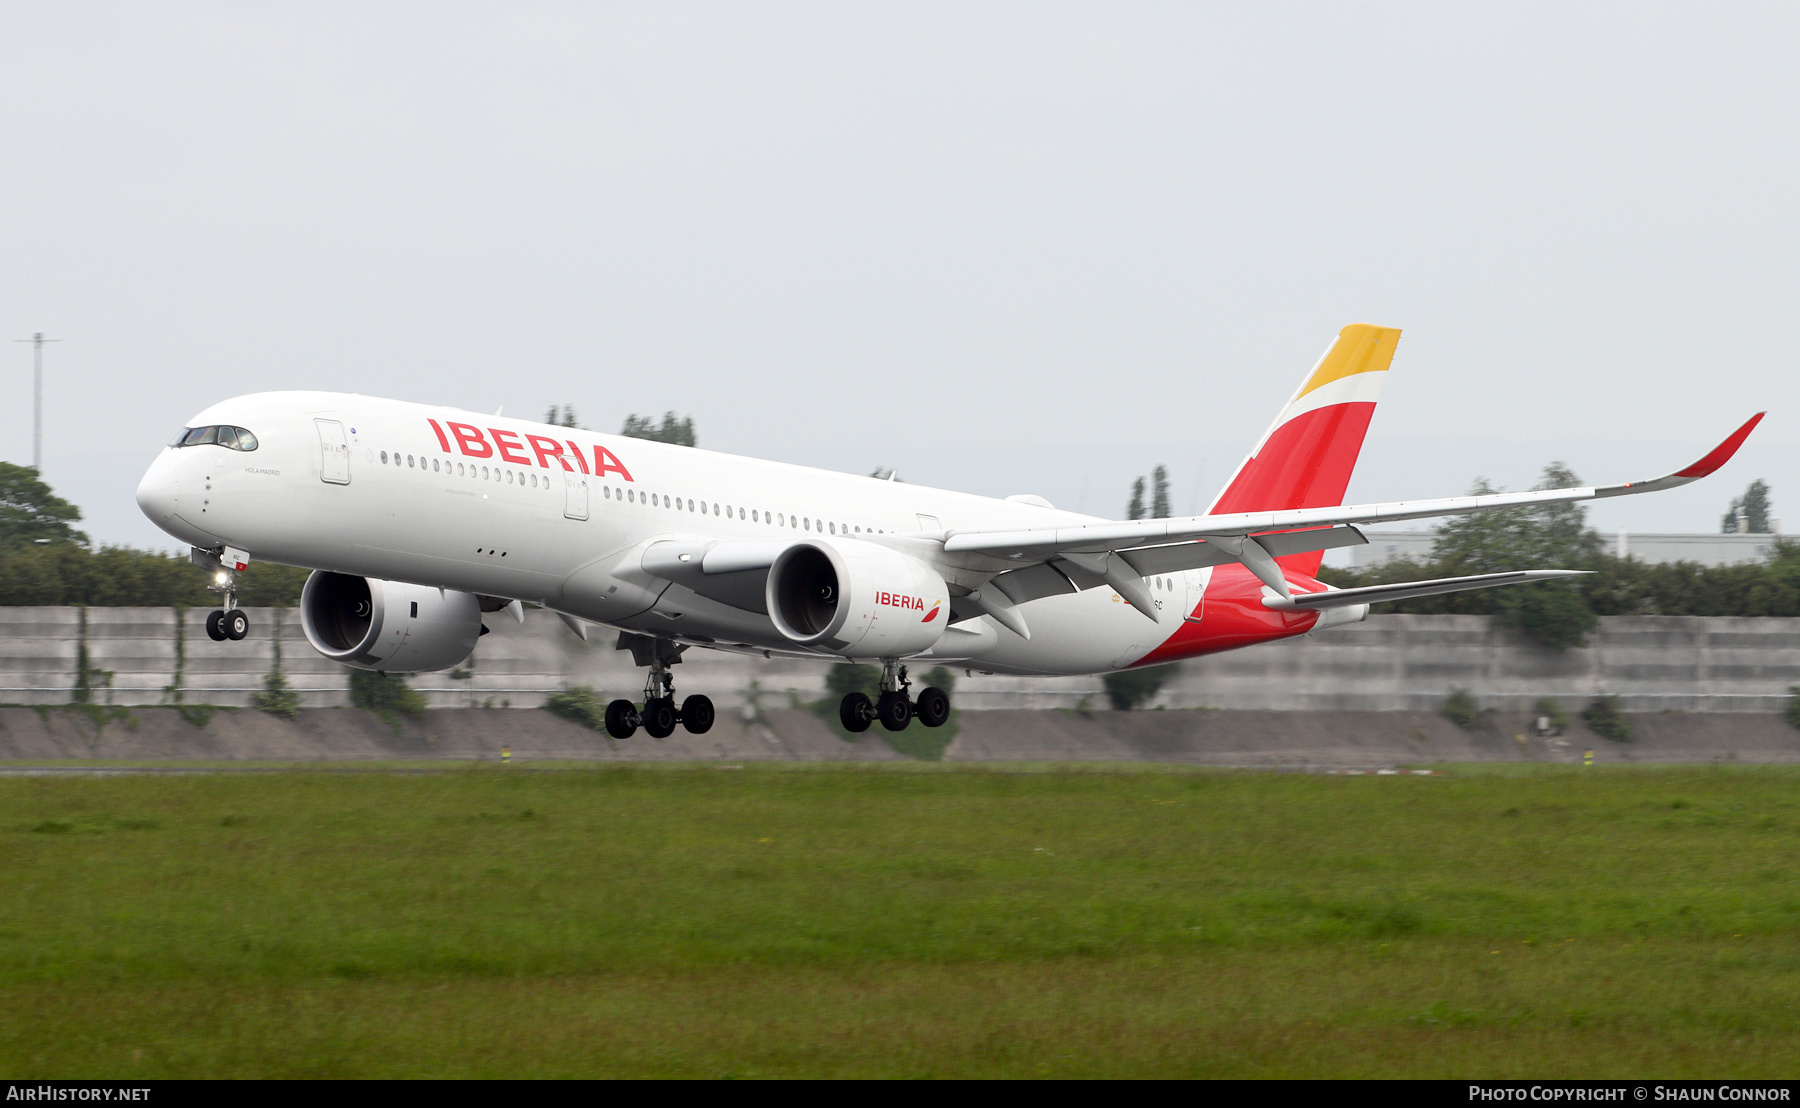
(1553, 614)
(276, 698)
(1604, 719)
(847, 677)
(1133, 688)
(1460, 708)
(579, 704)
(388, 697)
(1553, 711)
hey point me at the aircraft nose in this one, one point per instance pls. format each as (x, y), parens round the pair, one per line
(159, 492)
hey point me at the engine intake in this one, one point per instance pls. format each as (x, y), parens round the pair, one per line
(390, 626)
(856, 599)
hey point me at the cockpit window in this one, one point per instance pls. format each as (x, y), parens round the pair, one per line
(234, 438)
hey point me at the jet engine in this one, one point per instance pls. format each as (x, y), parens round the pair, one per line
(388, 626)
(856, 599)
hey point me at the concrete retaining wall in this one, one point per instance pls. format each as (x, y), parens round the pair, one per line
(139, 656)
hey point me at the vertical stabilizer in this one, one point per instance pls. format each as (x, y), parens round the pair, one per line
(1305, 458)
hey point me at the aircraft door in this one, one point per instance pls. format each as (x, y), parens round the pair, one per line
(1194, 581)
(575, 495)
(334, 452)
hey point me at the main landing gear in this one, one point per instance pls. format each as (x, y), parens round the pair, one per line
(893, 707)
(659, 715)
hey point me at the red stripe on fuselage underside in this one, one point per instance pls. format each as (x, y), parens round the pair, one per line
(1233, 615)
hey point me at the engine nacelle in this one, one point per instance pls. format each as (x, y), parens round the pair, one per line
(856, 599)
(368, 623)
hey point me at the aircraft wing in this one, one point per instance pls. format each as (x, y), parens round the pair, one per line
(1070, 558)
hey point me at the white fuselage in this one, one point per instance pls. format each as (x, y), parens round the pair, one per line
(411, 496)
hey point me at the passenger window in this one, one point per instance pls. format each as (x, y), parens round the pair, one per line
(690, 505)
(384, 457)
(409, 461)
(755, 517)
(484, 473)
(703, 509)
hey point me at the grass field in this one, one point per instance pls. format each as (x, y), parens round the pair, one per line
(901, 921)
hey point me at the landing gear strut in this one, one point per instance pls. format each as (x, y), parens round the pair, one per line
(229, 622)
(893, 707)
(659, 715)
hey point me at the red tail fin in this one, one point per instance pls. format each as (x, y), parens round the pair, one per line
(1305, 458)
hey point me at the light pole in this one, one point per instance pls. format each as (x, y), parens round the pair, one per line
(37, 341)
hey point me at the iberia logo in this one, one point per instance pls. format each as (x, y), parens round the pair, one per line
(915, 603)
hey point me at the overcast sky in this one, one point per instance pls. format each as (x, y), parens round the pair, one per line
(1005, 247)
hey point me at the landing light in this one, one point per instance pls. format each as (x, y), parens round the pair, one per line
(221, 577)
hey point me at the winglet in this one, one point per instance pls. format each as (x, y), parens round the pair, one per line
(1722, 453)
(1719, 455)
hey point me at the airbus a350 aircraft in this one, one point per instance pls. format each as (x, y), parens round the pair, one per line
(418, 519)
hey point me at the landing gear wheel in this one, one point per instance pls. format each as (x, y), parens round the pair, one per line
(895, 711)
(621, 719)
(933, 707)
(235, 624)
(697, 714)
(659, 717)
(856, 712)
(215, 626)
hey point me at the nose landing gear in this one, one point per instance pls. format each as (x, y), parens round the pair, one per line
(659, 715)
(894, 708)
(228, 622)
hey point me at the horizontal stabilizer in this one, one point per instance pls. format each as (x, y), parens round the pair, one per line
(1406, 590)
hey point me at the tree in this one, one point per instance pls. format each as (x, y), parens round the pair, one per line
(1135, 509)
(1133, 688)
(1754, 505)
(1548, 536)
(563, 417)
(1159, 499)
(680, 432)
(31, 514)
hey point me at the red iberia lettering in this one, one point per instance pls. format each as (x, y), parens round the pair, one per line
(442, 441)
(469, 438)
(606, 462)
(507, 448)
(580, 458)
(545, 449)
